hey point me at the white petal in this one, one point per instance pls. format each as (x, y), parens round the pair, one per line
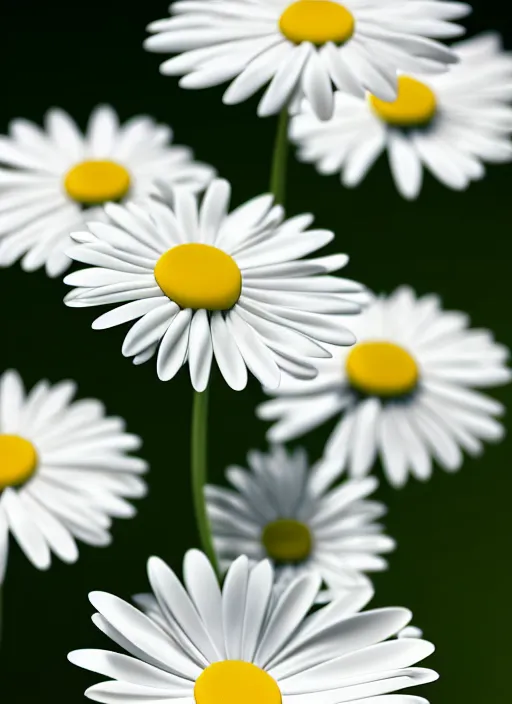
(405, 165)
(25, 530)
(4, 543)
(144, 634)
(317, 87)
(11, 401)
(227, 355)
(130, 671)
(285, 79)
(213, 210)
(200, 350)
(125, 313)
(178, 607)
(101, 131)
(256, 355)
(363, 443)
(203, 588)
(290, 610)
(259, 592)
(174, 346)
(234, 595)
(58, 537)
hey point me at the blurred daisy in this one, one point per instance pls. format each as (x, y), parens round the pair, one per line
(449, 124)
(206, 284)
(64, 471)
(238, 645)
(52, 181)
(284, 510)
(403, 391)
(303, 47)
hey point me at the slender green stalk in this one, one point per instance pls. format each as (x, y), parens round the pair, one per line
(1, 614)
(280, 159)
(199, 456)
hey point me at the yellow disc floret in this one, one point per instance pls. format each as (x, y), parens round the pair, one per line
(236, 682)
(95, 182)
(317, 21)
(381, 369)
(199, 276)
(415, 104)
(287, 540)
(18, 460)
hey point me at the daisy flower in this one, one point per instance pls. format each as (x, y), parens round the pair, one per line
(304, 47)
(283, 509)
(403, 391)
(238, 645)
(52, 181)
(206, 284)
(64, 471)
(450, 124)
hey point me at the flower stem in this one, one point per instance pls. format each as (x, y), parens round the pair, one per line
(280, 159)
(199, 472)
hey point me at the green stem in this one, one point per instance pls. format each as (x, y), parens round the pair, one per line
(199, 472)
(280, 159)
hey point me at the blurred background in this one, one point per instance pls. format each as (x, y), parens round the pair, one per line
(452, 566)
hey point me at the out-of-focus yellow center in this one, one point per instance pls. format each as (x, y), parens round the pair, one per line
(95, 182)
(236, 682)
(287, 540)
(415, 105)
(18, 460)
(199, 276)
(317, 21)
(381, 369)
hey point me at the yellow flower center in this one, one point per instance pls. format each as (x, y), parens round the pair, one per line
(18, 460)
(381, 369)
(95, 182)
(236, 682)
(287, 540)
(415, 105)
(317, 21)
(199, 276)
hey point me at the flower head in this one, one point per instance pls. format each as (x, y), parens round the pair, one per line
(304, 47)
(64, 471)
(208, 284)
(284, 509)
(208, 646)
(449, 123)
(402, 392)
(53, 180)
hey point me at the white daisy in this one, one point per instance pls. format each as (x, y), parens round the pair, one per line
(450, 124)
(239, 645)
(284, 509)
(303, 47)
(52, 181)
(206, 284)
(64, 471)
(403, 391)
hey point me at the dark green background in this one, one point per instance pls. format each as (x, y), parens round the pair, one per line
(452, 567)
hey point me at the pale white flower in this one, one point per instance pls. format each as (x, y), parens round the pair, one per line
(304, 47)
(64, 471)
(449, 124)
(53, 180)
(284, 509)
(402, 392)
(206, 646)
(208, 284)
